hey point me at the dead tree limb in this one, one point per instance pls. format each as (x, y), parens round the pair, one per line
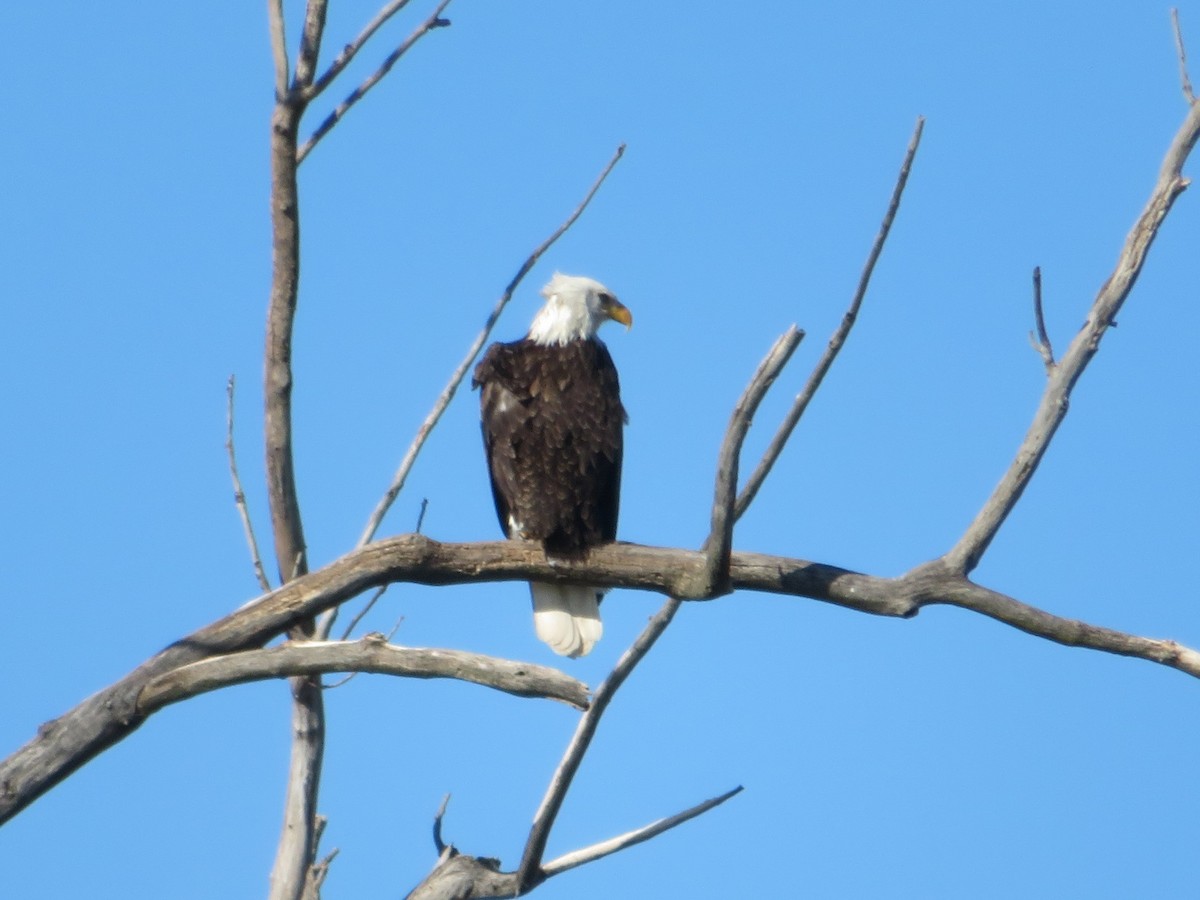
(239, 495)
(838, 340)
(719, 543)
(64, 744)
(433, 21)
(530, 873)
(371, 654)
(1052, 409)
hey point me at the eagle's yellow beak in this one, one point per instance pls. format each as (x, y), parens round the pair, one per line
(620, 313)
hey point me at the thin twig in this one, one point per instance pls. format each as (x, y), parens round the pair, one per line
(1052, 409)
(456, 378)
(800, 404)
(1040, 340)
(433, 21)
(239, 496)
(275, 25)
(1186, 82)
(612, 845)
(348, 52)
(325, 624)
(346, 636)
(530, 872)
(719, 543)
(358, 617)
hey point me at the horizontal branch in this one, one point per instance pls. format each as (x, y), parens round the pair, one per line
(371, 654)
(62, 745)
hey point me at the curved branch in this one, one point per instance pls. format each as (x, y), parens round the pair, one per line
(371, 654)
(66, 743)
(719, 543)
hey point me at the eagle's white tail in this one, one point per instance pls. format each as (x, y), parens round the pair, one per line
(567, 617)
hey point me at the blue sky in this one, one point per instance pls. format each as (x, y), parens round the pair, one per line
(946, 756)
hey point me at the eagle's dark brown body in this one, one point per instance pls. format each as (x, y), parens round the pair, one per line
(552, 425)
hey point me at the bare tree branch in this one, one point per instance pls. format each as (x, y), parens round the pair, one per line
(800, 404)
(295, 851)
(459, 877)
(1041, 339)
(310, 43)
(358, 616)
(239, 496)
(290, 876)
(371, 654)
(460, 373)
(278, 47)
(1184, 80)
(66, 743)
(434, 20)
(719, 544)
(530, 872)
(350, 50)
(966, 554)
(612, 845)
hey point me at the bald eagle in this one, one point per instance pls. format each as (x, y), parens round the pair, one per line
(552, 420)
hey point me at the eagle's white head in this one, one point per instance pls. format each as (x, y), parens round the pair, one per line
(575, 308)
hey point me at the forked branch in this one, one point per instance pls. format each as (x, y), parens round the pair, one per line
(351, 50)
(1052, 409)
(530, 872)
(63, 745)
(433, 21)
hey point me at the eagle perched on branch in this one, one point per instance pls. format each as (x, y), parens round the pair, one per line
(552, 428)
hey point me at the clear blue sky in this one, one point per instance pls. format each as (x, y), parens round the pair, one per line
(947, 756)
